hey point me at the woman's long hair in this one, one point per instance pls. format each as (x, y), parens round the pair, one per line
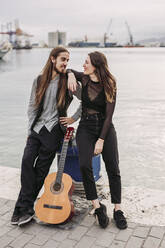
(46, 77)
(103, 74)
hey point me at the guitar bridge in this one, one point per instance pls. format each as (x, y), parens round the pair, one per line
(52, 206)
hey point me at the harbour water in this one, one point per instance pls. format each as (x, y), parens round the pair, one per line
(139, 115)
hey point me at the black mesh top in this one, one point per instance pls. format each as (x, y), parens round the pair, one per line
(94, 100)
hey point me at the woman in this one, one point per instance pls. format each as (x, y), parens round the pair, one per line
(96, 133)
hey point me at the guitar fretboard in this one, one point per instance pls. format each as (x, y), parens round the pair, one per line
(62, 162)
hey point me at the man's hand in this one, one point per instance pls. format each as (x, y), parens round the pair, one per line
(98, 146)
(72, 84)
(66, 120)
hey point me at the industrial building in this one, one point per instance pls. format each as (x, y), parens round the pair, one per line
(56, 38)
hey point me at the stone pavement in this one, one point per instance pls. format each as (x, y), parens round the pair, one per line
(86, 234)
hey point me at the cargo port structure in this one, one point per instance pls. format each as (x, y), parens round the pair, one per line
(17, 36)
(56, 38)
(106, 41)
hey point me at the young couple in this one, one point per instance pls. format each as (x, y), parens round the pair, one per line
(51, 95)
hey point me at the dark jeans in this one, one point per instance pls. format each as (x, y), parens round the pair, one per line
(87, 135)
(38, 156)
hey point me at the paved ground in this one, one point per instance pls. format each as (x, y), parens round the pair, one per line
(86, 234)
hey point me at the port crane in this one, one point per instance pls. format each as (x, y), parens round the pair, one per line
(107, 32)
(17, 33)
(9, 31)
(131, 43)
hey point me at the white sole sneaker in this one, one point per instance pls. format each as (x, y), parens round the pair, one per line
(24, 220)
(14, 222)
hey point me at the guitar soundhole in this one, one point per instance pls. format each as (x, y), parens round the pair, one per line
(56, 188)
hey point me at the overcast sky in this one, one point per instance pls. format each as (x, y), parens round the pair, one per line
(78, 18)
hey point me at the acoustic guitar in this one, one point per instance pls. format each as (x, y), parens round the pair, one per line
(55, 205)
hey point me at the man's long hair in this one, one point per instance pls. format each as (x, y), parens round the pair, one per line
(46, 77)
(103, 74)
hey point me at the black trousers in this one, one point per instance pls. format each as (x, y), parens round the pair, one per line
(87, 135)
(38, 156)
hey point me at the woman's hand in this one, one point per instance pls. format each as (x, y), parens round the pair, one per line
(72, 84)
(66, 120)
(98, 146)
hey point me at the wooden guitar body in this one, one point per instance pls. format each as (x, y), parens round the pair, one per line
(55, 206)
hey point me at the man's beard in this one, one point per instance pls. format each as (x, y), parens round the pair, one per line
(56, 70)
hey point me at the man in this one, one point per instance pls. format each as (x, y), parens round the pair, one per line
(49, 100)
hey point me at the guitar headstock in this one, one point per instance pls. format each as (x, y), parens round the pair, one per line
(69, 133)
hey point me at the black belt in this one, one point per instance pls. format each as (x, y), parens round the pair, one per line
(96, 116)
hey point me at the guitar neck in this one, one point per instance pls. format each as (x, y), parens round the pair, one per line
(62, 162)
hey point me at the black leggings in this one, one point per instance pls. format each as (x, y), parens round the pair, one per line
(87, 135)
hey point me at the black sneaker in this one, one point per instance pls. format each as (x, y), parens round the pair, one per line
(26, 218)
(120, 219)
(101, 214)
(15, 219)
